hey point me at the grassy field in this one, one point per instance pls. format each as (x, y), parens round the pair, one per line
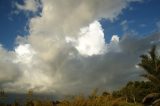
(97, 101)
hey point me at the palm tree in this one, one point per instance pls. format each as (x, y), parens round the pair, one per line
(151, 64)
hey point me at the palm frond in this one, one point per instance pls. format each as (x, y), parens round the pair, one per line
(151, 96)
(157, 101)
(147, 67)
(152, 52)
(144, 57)
(152, 78)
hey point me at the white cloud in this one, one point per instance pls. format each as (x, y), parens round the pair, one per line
(115, 38)
(113, 46)
(67, 17)
(124, 25)
(91, 40)
(29, 5)
(24, 53)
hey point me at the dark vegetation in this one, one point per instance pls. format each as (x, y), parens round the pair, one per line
(134, 93)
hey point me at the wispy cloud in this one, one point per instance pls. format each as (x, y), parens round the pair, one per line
(29, 5)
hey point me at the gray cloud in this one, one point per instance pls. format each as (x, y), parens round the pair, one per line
(70, 74)
(9, 71)
(107, 71)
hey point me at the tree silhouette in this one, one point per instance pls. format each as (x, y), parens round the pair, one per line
(151, 64)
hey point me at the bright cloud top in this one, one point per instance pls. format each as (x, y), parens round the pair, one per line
(24, 53)
(115, 38)
(91, 40)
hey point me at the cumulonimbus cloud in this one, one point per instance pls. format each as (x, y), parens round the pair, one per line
(46, 62)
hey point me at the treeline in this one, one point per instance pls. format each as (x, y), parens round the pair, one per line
(135, 91)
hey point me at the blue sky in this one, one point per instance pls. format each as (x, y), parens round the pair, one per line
(11, 24)
(140, 17)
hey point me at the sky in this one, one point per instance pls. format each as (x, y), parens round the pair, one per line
(66, 47)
